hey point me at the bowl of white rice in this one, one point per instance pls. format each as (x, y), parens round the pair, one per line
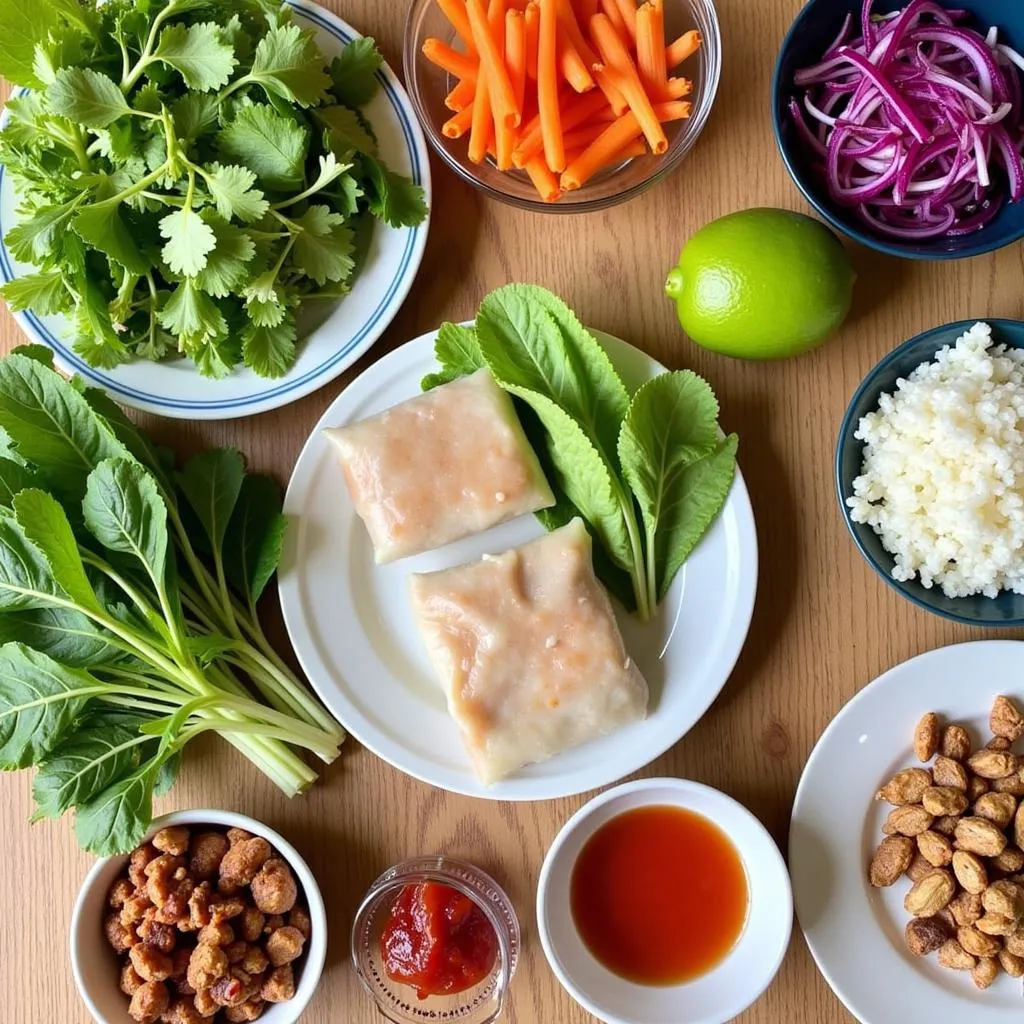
(930, 471)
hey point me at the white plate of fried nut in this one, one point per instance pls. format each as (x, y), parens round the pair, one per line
(906, 845)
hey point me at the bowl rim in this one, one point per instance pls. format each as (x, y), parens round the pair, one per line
(315, 954)
(678, 795)
(668, 163)
(870, 241)
(845, 438)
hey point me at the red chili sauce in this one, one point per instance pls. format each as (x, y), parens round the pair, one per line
(437, 940)
(659, 895)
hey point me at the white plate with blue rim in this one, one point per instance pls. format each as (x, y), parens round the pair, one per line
(353, 630)
(175, 388)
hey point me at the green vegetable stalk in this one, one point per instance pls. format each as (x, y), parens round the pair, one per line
(190, 172)
(128, 616)
(648, 472)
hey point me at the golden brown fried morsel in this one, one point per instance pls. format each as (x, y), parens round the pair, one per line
(926, 737)
(250, 925)
(118, 934)
(985, 972)
(977, 786)
(225, 910)
(149, 1002)
(199, 906)
(285, 945)
(1005, 720)
(1015, 942)
(1010, 861)
(273, 888)
(155, 934)
(1011, 784)
(949, 773)
(1011, 963)
(955, 957)
(979, 836)
(955, 743)
(935, 848)
(924, 935)
(919, 867)
(137, 864)
(160, 877)
(251, 1009)
(175, 909)
(182, 1011)
(999, 808)
(970, 872)
(966, 908)
(905, 787)
(279, 985)
(272, 923)
(893, 857)
(945, 825)
(151, 964)
(299, 918)
(944, 800)
(236, 950)
(992, 764)
(207, 964)
(172, 840)
(207, 849)
(233, 989)
(236, 835)
(217, 934)
(978, 943)
(134, 909)
(205, 1004)
(120, 891)
(241, 862)
(130, 982)
(254, 961)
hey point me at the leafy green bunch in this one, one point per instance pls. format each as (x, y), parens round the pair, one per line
(190, 172)
(128, 617)
(648, 471)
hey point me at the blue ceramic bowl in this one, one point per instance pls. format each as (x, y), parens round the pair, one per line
(815, 28)
(1005, 610)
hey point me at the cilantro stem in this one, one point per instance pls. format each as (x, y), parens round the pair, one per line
(146, 57)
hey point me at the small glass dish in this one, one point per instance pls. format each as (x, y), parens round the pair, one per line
(399, 1003)
(429, 85)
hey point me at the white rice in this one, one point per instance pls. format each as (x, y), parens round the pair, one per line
(943, 477)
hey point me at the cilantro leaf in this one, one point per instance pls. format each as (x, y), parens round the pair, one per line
(195, 115)
(289, 64)
(270, 351)
(325, 245)
(189, 241)
(266, 312)
(86, 96)
(213, 359)
(271, 145)
(96, 341)
(346, 131)
(44, 293)
(102, 226)
(232, 190)
(25, 23)
(354, 72)
(199, 53)
(393, 198)
(227, 267)
(191, 315)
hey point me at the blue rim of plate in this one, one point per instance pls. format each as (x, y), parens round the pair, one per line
(845, 430)
(332, 24)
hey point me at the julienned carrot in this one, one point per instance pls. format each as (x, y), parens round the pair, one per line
(580, 138)
(651, 59)
(457, 126)
(675, 110)
(625, 78)
(685, 46)
(572, 66)
(604, 82)
(504, 133)
(614, 15)
(461, 96)
(449, 59)
(531, 17)
(677, 88)
(586, 9)
(630, 151)
(543, 180)
(616, 136)
(481, 130)
(492, 67)
(455, 12)
(571, 29)
(515, 53)
(547, 87)
(572, 116)
(627, 8)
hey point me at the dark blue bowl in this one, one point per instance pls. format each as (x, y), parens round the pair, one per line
(816, 26)
(1005, 610)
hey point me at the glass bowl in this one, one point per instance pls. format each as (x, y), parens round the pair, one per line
(399, 1003)
(428, 85)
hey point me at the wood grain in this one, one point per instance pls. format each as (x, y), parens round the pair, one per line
(824, 624)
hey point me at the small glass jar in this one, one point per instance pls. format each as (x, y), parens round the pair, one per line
(481, 1004)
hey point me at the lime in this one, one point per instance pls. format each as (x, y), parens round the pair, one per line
(762, 284)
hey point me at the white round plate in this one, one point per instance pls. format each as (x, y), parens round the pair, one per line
(855, 932)
(712, 998)
(353, 631)
(174, 387)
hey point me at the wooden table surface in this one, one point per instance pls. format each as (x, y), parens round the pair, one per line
(824, 625)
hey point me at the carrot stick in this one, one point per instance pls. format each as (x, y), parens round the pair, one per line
(547, 87)
(579, 112)
(499, 86)
(461, 96)
(677, 88)
(532, 17)
(571, 65)
(614, 138)
(677, 110)
(630, 151)
(650, 48)
(579, 138)
(457, 126)
(570, 27)
(455, 12)
(627, 81)
(586, 9)
(504, 133)
(543, 180)
(614, 15)
(449, 59)
(685, 46)
(615, 98)
(481, 129)
(627, 8)
(515, 53)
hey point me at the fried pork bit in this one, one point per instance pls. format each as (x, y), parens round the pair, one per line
(233, 989)
(182, 1011)
(273, 922)
(236, 950)
(120, 891)
(151, 964)
(217, 934)
(172, 840)
(130, 982)
(254, 960)
(137, 864)
(279, 985)
(250, 925)
(225, 910)
(149, 1002)
(199, 906)
(273, 888)
(118, 934)
(205, 1004)
(299, 918)
(208, 849)
(160, 878)
(251, 1009)
(236, 835)
(159, 936)
(284, 946)
(206, 965)
(241, 862)
(134, 909)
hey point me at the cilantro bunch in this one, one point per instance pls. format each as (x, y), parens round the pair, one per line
(190, 173)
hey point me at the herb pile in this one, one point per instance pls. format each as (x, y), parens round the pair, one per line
(128, 617)
(190, 173)
(648, 472)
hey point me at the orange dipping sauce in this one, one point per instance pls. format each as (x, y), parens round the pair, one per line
(659, 895)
